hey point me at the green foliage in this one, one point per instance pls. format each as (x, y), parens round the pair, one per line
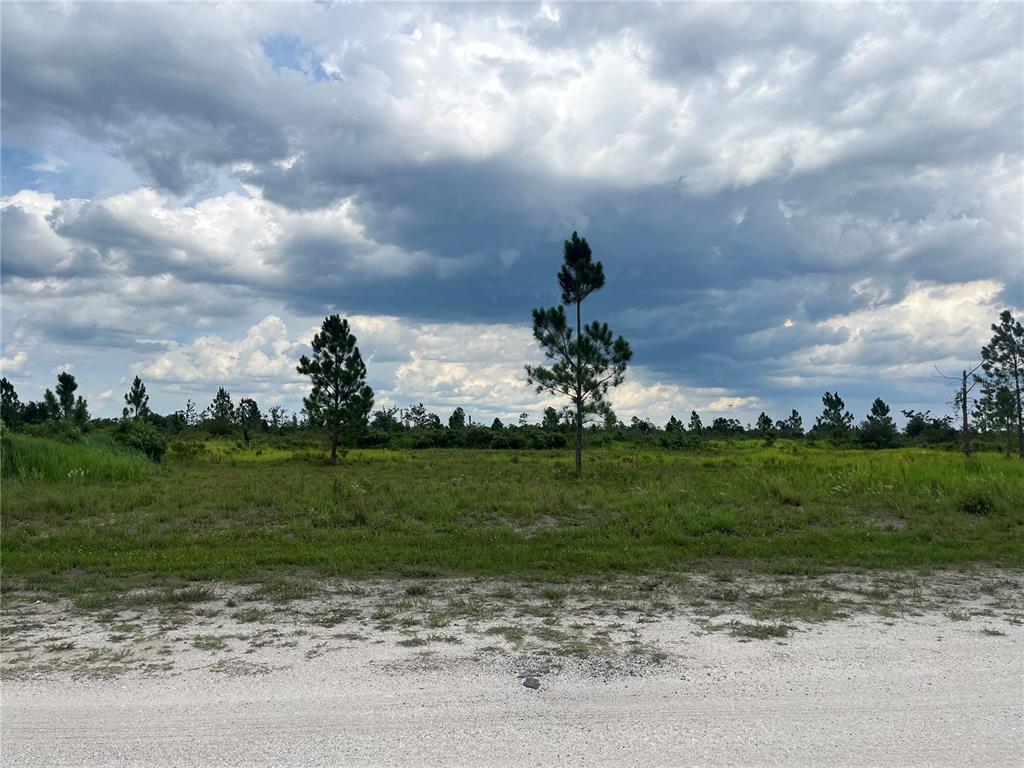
(518, 514)
(95, 459)
(340, 399)
(835, 422)
(791, 428)
(141, 436)
(249, 417)
(878, 430)
(696, 426)
(1002, 361)
(57, 430)
(550, 420)
(457, 420)
(976, 501)
(10, 405)
(66, 386)
(136, 401)
(585, 362)
(186, 447)
(221, 413)
(925, 429)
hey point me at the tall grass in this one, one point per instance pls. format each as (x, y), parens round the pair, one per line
(522, 514)
(92, 459)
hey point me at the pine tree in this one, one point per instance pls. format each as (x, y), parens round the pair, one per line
(457, 421)
(249, 417)
(587, 361)
(764, 424)
(340, 399)
(66, 386)
(136, 401)
(878, 430)
(835, 421)
(550, 420)
(696, 425)
(51, 406)
(1002, 360)
(222, 410)
(10, 405)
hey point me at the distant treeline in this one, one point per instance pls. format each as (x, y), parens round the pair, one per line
(64, 416)
(989, 402)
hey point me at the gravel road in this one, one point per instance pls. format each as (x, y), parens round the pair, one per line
(925, 691)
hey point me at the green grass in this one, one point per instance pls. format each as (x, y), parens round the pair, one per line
(509, 514)
(92, 459)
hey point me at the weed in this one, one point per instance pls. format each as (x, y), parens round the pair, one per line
(249, 615)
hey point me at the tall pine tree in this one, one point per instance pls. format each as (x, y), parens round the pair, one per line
(585, 362)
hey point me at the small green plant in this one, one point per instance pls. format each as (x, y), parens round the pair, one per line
(249, 615)
(976, 501)
(783, 494)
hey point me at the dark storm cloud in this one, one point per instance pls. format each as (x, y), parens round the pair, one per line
(748, 173)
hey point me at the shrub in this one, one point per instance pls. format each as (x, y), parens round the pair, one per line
(56, 430)
(142, 436)
(976, 502)
(185, 448)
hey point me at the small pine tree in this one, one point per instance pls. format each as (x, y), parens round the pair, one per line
(1002, 360)
(550, 420)
(66, 386)
(835, 421)
(249, 417)
(696, 425)
(878, 430)
(222, 410)
(457, 421)
(136, 401)
(51, 406)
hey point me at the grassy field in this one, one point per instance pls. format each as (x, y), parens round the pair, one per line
(243, 514)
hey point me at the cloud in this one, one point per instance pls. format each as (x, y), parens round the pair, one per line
(264, 353)
(14, 364)
(737, 167)
(478, 367)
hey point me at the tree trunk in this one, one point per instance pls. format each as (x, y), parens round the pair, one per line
(334, 448)
(579, 400)
(1020, 423)
(963, 407)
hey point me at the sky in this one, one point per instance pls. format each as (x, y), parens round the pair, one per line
(787, 198)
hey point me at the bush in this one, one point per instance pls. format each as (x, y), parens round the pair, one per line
(142, 436)
(976, 502)
(186, 448)
(55, 430)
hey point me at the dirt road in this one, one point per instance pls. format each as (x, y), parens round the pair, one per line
(924, 691)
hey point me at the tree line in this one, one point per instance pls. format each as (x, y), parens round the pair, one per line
(583, 365)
